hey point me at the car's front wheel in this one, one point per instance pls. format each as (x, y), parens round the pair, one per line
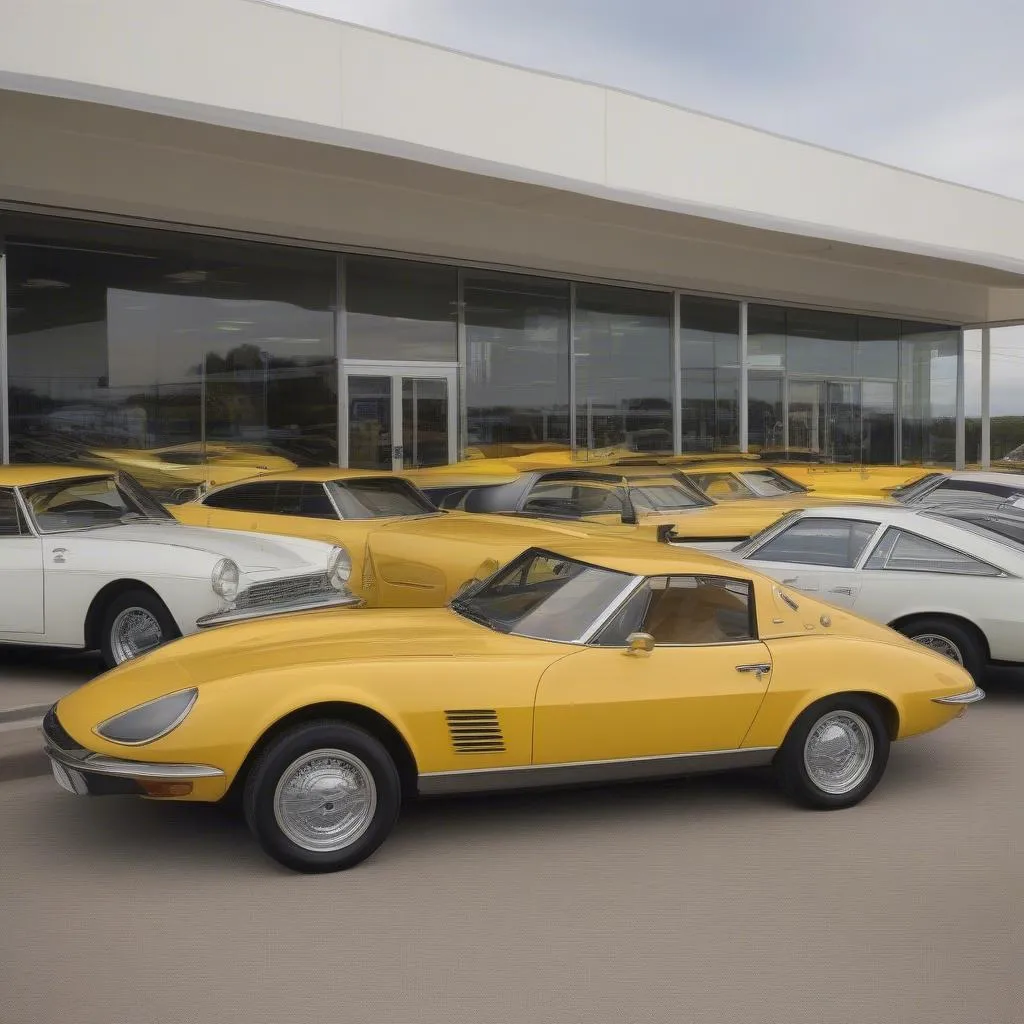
(322, 796)
(835, 753)
(133, 623)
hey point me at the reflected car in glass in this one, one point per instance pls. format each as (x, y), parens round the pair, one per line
(90, 560)
(598, 661)
(950, 577)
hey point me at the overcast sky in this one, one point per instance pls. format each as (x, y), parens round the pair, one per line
(933, 85)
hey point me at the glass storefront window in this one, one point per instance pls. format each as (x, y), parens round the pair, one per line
(123, 343)
(401, 311)
(928, 363)
(820, 343)
(972, 397)
(1006, 390)
(517, 363)
(765, 423)
(709, 356)
(766, 337)
(623, 352)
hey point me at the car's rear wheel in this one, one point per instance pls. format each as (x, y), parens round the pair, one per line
(835, 753)
(322, 796)
(133, 623)
(949, 638)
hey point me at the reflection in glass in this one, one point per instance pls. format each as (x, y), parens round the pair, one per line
(424, 422)
(399, 310)
(117, 333)
(972, 397)
(623, 358)
(369, 422)
(765, 423)
(878, 419)
(517, 363)
(928, 359)
(709, 355)
(820, 343)
(1006, 385)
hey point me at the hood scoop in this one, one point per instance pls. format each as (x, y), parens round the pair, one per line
(475, 731)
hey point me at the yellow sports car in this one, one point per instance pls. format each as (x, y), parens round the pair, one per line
(401, 551)
(596, 661)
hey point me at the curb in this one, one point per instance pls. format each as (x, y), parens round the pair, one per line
(27, 712)
(21, 753)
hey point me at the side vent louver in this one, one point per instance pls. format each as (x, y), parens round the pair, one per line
(475, 731)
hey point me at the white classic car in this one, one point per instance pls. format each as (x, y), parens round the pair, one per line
(950, 577)
(90, 560)
(962, 487)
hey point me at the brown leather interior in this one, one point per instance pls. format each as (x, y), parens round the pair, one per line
(690, 615)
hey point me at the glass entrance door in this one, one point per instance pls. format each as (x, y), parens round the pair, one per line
(401, 416)
(848, 421)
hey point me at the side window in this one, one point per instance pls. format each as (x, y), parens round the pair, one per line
(906, 552)
(244, 498)
(722, 486)
(685, 610)
(564, 498)
(10, 520)
(303, 499)
(836, 543)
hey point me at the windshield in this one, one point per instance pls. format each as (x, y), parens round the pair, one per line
(1005, 529)
(544, 596)
(88, 502)
(378, 498)
(916, 487)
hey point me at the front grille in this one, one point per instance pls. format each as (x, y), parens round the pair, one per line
(57, 734)
(283, 591)
(475, 731)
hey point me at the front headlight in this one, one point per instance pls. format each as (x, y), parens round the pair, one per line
(339, 568)
(224, 579)
(149, 721)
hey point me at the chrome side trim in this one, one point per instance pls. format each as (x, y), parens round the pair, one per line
(476, 780)
(99, 764)
(246, 614)
(970, 697)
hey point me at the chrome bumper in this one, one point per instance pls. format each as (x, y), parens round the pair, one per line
(341, 599)
(99, 764)
(970, 697)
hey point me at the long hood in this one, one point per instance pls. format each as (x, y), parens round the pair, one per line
(251, 551)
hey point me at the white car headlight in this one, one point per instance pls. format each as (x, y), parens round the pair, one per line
(149, 721)
(339, 568)
(224, 579)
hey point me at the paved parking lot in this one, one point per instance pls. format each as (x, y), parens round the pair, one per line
(705, 900)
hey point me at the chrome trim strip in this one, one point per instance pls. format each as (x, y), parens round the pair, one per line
(99, 764)
(246, 614)
(475, 780)
(970, 697)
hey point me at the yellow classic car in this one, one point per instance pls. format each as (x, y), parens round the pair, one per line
(596, 661)
(402, 552)
(185, 466)
(653, 496)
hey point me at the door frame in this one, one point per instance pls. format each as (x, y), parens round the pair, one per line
(397, 370)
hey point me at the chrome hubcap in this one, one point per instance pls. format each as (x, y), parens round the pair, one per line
(325, 800)
(838, 752)
(940, 645)
(135, 631)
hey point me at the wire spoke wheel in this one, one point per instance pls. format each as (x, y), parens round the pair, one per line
(134, 631)
(940, 645)
(839, 752)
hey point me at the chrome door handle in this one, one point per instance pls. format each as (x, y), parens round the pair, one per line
(842, 590)
(59, 553)
(760, 669)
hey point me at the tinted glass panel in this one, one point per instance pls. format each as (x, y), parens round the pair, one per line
(709, 354)
(113, 330)
(623, 368)
(909, 553)
(517, 363)
(928, 358)
(303, 499)
(400, 310)
(373, 499)
(424, 422)
(837, 543)
(369, 422)
(247, 498)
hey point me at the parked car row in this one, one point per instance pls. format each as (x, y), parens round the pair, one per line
(357, 638)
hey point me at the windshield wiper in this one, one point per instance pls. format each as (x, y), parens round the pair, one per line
(467, 611)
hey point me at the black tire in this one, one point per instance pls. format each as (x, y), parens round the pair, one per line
(790, 766)
(146, 601)
(349, 741)
(961, 637)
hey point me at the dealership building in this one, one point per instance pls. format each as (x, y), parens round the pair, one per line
(228, 222)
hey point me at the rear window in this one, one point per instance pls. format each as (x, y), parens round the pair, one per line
(1002, 528)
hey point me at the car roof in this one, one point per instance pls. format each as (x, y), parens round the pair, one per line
(316, 475)
(644, 557)
(26, 475)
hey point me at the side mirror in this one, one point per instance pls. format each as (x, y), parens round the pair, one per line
(639, 642)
